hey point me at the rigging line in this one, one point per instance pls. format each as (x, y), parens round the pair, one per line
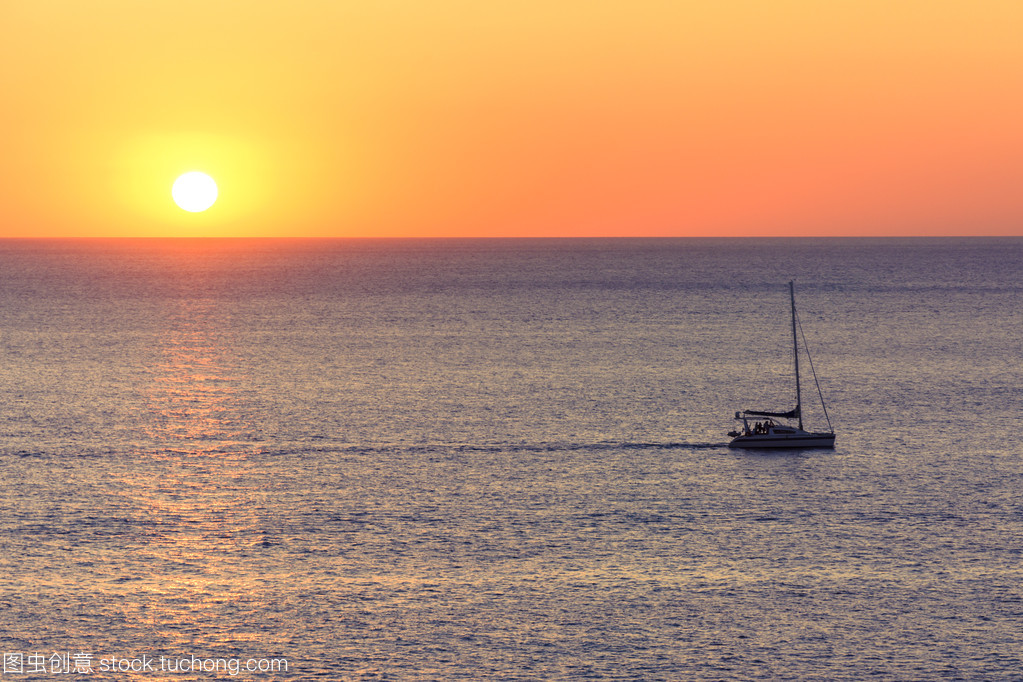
(814, 372)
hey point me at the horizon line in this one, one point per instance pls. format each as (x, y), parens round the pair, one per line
(499, 238)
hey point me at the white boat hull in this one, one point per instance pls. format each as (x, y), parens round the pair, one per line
(784, 441)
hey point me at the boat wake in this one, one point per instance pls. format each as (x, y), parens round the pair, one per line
(544, 447)
(676, 446)
(245, 450)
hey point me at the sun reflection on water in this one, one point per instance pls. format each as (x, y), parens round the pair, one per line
(193, 398)
(198, 497)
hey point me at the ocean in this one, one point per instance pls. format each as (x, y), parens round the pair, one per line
(507, 460)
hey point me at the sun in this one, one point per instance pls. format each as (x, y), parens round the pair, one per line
(194, 191)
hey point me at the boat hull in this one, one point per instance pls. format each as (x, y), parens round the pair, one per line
(784, 441)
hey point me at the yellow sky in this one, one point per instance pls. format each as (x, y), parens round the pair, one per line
(532, 117)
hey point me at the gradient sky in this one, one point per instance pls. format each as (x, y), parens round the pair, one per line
(513, 118)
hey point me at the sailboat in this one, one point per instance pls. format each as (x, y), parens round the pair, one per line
(773, 434)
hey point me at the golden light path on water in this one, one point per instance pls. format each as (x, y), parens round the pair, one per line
(200, 502)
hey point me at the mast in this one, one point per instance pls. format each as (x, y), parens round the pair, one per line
(795, 354)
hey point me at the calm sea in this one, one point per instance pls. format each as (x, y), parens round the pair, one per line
(505, 459)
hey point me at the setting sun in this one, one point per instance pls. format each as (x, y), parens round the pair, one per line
(194, 191)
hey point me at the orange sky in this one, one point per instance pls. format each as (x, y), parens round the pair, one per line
(513, 118)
